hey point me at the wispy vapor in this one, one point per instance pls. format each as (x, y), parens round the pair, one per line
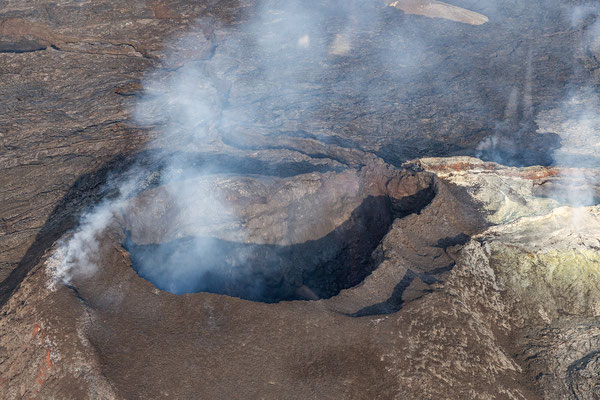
(298, 56)
(577, 120)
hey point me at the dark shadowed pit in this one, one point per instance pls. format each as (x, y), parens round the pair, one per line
(270, 273)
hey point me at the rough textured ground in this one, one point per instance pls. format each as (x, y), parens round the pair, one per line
(72, 69)
(452, 310)
(476, 280)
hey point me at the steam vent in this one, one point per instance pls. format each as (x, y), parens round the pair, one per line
(316, 199)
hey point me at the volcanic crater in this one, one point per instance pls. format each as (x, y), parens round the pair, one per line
(268, 238)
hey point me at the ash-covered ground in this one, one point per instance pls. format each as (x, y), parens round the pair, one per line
(317, 199)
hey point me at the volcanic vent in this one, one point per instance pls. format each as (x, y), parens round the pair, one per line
(268, 238)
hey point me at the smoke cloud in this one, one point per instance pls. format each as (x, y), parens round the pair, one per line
(76, 253)
(236, 88)
(280, 53)
(577, 120)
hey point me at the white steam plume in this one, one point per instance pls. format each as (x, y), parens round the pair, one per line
(294, 54)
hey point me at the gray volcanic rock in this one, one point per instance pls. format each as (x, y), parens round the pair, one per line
(377, 277)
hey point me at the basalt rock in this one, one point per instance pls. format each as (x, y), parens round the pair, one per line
(370, 268)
